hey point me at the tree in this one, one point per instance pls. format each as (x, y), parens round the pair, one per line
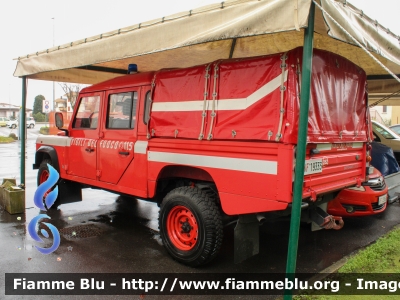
(38, 104)
(39, 117)
(71, 91)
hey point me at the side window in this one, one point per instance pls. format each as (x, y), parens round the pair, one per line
(147, 103)
(122, 110)
(88, 113)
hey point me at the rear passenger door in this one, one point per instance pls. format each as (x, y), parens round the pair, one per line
(84, 132)
(118, 134)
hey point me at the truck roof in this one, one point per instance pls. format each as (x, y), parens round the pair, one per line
(137, 79)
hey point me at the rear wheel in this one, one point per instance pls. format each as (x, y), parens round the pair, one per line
(13, 126)
(190, 225)
(31, 126)
(43, 175)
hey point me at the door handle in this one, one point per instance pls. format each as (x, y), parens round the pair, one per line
(124, 152)
(90, 150)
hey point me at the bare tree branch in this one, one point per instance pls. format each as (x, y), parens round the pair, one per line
(71, 91)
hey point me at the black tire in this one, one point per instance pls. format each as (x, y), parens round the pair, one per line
(203, 209)
(42, 169)
(13, 126)
(31, 126)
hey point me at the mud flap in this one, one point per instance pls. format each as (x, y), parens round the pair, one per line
(246, 238)
(69, 191)
(322, 220)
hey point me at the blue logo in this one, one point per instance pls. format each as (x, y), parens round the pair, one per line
(49, 199)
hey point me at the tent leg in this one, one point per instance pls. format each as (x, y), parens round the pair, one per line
(22, 129)
(301, 150)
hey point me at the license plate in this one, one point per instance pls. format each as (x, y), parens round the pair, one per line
(313, 166)
(382, 199)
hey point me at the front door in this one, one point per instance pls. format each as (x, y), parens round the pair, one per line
(118, 134)
(84, 132)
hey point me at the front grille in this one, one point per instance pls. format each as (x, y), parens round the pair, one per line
(378, 187)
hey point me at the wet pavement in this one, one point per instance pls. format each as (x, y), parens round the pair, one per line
(115, 234)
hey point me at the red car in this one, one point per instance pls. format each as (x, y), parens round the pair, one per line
(368, 199)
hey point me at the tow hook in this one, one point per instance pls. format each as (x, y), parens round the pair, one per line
(324, 220)
(333, 222)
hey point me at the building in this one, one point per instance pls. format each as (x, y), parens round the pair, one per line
(12, 111)
(64, 104)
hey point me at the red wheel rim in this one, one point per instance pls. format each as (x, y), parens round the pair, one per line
(182, 228)
(42, 178)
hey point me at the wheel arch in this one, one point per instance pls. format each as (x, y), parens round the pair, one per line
(173, 176)
(46, 152)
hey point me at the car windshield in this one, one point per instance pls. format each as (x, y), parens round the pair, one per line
(395, 129)
(385, 132)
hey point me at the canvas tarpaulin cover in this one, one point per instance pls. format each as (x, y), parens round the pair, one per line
(257, 99)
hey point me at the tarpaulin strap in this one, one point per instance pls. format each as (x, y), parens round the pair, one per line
(298, 72)
(333, 222)
(213, 112)
(283, 88)
(153, 85)
(204, 113)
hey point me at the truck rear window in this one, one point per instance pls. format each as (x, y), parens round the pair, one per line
(122, 110)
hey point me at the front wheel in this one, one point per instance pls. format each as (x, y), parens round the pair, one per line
(13, 126)
(190, 226)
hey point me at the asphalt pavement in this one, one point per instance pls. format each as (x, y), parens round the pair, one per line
(120, 235)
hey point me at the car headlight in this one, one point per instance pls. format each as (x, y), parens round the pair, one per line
(371, 170)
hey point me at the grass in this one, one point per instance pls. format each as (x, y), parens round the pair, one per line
(5, 140)
(44, 130)
(381, 257)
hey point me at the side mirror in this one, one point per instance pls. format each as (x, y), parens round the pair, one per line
(59, 120)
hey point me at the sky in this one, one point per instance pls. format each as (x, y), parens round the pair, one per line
(28, 26)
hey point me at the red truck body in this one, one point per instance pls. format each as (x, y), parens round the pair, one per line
(229, 127)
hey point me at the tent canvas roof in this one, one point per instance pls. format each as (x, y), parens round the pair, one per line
(236, 28)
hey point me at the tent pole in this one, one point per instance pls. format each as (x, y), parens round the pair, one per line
(301, 149)
(22, 129)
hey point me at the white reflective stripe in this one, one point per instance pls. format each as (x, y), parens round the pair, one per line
(323, 147)
(222, 104)
(54, 140)
(179, 106)
(227, 163)
(141, 147)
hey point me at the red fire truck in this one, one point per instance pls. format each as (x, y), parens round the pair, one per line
(216, 142)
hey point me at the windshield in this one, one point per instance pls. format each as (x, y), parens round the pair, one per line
(384, 131)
